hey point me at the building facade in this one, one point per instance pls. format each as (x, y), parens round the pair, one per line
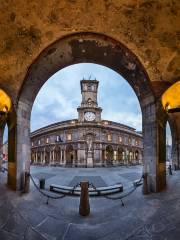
(87, 141)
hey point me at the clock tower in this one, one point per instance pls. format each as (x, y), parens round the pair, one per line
(89, 110)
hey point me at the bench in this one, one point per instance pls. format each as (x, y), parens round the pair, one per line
(137, 183)
(92, 192)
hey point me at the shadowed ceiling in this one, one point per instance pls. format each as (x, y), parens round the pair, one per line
(148, 28)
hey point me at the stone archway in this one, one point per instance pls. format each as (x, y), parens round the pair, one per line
(69, 155)
(137, 157)
(109, 155)
(57, 155)
(120, 155)
(100, 49)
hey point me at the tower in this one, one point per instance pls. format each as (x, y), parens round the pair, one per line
(89, 110)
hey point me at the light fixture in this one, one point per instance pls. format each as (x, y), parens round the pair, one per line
(171, 98)
(3, 113)
(5, 105)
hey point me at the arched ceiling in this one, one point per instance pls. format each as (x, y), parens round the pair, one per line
(150, 28)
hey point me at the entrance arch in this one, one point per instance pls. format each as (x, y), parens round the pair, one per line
(69, 155)
(100, 49)
(109, 155)
(8, 116)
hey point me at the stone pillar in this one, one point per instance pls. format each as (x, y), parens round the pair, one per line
(64, 154)
(44, 156)
(41, 157)
(53, 156)
(176, 154)
(1, 144)
(61, 157)
(154, 154)
(19, 150)
(49, 157)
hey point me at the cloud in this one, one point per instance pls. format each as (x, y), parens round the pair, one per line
(60, 96)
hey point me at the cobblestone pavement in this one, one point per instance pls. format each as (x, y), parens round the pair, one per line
(150, 217)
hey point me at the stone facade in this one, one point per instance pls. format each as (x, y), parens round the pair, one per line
(87, 141)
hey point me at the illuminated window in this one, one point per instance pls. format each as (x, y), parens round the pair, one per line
(136, 142)
(47, 140)
(69, 136)
(120, 139)
(115, 155)
(109, 137)
(129, 140)
(32, 144)
(39, 142)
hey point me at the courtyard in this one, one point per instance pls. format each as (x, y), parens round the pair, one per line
(27, 216)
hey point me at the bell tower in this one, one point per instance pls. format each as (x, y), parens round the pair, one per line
(89, 110)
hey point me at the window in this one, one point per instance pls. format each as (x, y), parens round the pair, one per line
(32, 144)
(39, 142)
(85, 87)
(120, 139)
(69, 136)
(136, 142)
(89, 88)
(115, 155)
(89, 102)
(109, 137)
(47, 140)
(129, 140)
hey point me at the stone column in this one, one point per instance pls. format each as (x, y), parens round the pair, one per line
(1, 144)
(19, 148)
(154, 145)
(44, 156)
(64, 151)
(53, 156)
(175, 150)
(61, 156)
(41, 157)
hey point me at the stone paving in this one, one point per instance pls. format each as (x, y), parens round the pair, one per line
(150, 217)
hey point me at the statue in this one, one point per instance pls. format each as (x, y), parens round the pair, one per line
(89, 142)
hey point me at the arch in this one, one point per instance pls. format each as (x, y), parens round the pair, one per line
(109, 155)
(120, 155)
(57, 155)
(47, 157)
(100, 49)
(69, 155)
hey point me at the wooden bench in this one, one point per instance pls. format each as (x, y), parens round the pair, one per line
(92, 192)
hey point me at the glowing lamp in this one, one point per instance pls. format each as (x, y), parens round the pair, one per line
(5, 104)
(171, 98)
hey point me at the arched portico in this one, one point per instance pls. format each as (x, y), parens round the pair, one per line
(70, 156)
(109, 155)
(100, 49)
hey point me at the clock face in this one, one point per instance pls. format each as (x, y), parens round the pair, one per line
(89, 116)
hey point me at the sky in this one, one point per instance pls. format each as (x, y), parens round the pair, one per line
(60, 96)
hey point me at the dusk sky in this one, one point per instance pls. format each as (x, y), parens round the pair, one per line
(60, 96)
